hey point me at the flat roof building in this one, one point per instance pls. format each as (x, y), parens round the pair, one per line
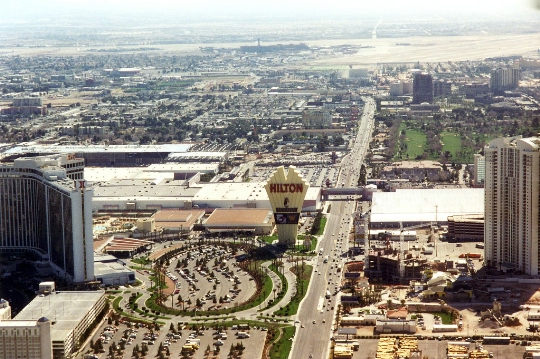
(72, 314)
(416, 206)
(256, 221)
(28, 339)
(110, 271)
(175, 219)
(105, 155)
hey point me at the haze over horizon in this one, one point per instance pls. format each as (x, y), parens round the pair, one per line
(239, 10)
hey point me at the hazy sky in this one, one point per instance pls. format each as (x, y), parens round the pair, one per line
(277, 8)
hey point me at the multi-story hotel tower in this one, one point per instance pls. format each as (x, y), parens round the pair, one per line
(45, 210)
(512, 181)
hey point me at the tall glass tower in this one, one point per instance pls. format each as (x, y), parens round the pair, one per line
(46, 210)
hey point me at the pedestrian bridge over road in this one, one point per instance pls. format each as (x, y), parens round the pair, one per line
(340, 192)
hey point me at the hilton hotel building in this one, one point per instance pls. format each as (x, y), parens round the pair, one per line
(46, 210)
(512, 181)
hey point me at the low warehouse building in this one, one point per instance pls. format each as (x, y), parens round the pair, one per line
(395, 326)
(254, 221)
(177, 220)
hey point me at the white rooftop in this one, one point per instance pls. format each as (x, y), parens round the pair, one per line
(232, 191)
(166, 170)
(67, 309)
(426, 205)
(35, 148)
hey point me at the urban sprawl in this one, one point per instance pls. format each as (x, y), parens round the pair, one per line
(234, 202)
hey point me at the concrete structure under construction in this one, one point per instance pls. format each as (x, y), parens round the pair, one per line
(383, 266)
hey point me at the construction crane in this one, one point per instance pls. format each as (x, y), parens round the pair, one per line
(401, 258)
(366, 238)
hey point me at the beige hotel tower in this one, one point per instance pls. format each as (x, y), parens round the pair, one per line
(511, 204)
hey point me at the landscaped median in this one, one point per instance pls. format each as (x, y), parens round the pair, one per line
(303, 275)
(281, 346)
(116, 307)
(284, 287)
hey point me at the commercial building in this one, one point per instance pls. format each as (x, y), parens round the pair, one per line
(395, 326)
(158, 194)
(156, 173)
(512, 189)
(177, 220)
(244, 220)
(503, 79)
(104, 155)
(417, 206)
(400, 88)
(479, 170)
(25, 106)
(141, 194)
(72, 314)
(442, 88)
(28, 339)
(466, 228)
(110, 271)
(45, 210)
(316, 118)
(422, 88)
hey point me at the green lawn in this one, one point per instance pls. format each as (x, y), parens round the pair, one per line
(292, 307)
(446, 318)
(268, 239)
(414, 145)
(284, 285)
(451, 142)
(281, 348)
(300, 249)
(321, 226)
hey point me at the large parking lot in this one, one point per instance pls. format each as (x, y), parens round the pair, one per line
(314, 175)
(174, 342)
(208, 278)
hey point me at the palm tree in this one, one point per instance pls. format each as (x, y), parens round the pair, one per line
(181, 300)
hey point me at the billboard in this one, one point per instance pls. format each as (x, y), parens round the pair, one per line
(287, 218)
(286, 191)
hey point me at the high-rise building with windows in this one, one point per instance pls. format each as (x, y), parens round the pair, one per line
(46, 212)
(29, 339)
(504, 79)
(479, 170)
(422, 88)
(512, 190)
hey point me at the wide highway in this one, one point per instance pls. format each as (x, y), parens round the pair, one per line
(316, 314)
